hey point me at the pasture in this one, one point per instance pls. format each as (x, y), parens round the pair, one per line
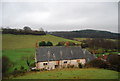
(11, 41)
(72, 73)
(18, 47)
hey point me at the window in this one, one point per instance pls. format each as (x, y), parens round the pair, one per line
(45, 63)
(65, 61)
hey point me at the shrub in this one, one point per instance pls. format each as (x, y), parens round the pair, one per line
(100, 50)
(80, 65)
(49, 43)
(60, 44)
(19, 72)
(71, 44)
(64, 43)
(21, 68)
(35, 70)
(6, 65)
(43, 69)
(114, 60)
(42, 43)
(70, 66)
(84, 45)
(32, 64)
(97, 63)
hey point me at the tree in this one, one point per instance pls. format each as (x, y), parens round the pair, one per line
(97, 63)
(114, 60)
(70, 43)
(84, 45)
(49, 43)
(60, 44)
(41, 29)
(42, 43)
(26, 28)
(6, 65)
(28, 60)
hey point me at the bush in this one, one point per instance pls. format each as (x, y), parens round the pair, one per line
(60, 44)
(32, 64)
(100, 50)
(42, 43)
(6, 65)
(84, 45)
(80, 65)
(97, 63)
(70, 66)
(49, 43)
(21, 68)
(114, 60)
(36, 70)
(64, 43)
(19, 72)
(71, 44)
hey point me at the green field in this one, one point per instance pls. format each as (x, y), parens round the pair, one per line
(16, 47)
(72, 73)
(28, 41)
(17, 56)
(81, 39)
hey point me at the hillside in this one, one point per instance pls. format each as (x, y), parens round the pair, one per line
(72, 73)
(11, 41)
(87, 34)
(18, 47)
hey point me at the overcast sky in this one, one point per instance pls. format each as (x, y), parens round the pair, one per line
(57, 16)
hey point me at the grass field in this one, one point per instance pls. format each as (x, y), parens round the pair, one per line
(28, 41)
(72, 73)
(17, 57)
(81, 39)
(16, 47)
(106, 53)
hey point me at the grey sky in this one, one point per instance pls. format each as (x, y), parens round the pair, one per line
(61, 15)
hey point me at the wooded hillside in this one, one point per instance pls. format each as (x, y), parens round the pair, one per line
(87, 34)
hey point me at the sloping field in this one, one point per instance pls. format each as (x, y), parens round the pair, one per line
(19, 56)
(18, 47)
(72, 73)
(28, 41)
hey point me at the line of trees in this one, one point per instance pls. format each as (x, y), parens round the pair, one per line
(97, 45)
(100, 43)
(26, 30)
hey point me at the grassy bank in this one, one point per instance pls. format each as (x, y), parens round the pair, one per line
(72, 73)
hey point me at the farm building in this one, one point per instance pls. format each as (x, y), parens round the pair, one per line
(61, 56)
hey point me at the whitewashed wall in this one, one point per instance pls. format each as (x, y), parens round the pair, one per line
(51, 64)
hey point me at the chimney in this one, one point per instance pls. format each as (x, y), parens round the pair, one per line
(36, 45)
(67, 44)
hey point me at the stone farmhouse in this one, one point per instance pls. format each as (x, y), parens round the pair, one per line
(61, 56)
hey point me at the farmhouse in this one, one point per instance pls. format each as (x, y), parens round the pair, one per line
(60, 56)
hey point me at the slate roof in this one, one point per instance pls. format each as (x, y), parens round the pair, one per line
(88, 55)
(61, 53)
